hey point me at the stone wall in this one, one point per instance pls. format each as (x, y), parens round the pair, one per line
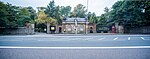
(19, 30)
(140, 30)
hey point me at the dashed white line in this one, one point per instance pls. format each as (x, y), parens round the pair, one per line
(129, 38)
(116, 38)
(142, 38)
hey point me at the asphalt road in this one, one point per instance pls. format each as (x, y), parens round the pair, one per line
(75, 47)
(75, 40)
(75, 53)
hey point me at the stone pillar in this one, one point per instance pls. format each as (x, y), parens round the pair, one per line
(87, 28)
(56, 28)
(32, 29)
(63, 28)
(84, 29)
(121, 29)
(48, 28)
(94, 28)
(117, 27)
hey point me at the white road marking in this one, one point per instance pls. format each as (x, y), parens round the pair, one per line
(86, 38)
(129, 38)
(37, 36)
(40, 40)
(101, 38)
(142, 38)
(116, 38)
(74, 39)
(49, 40)
(11, 40)
(10, 47)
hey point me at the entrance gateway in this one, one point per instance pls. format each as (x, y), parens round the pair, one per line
(76, 26)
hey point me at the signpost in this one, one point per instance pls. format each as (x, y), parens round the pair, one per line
(76, 25)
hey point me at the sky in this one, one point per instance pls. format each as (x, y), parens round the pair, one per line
(96, 6)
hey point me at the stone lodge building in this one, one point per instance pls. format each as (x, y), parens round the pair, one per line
(76, 26)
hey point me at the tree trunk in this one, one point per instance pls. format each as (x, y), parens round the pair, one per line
(48, 28)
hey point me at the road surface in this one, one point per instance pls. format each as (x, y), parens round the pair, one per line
(75, 47)
(75, 40)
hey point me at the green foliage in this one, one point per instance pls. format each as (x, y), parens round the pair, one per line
(7, 15)
(127, 13)
(13, 16)
(23, 16)
(32, 13)
(57, 12)
(92, 17)
(51, 9)
(43, 18)
(65, 11)
(79, 11)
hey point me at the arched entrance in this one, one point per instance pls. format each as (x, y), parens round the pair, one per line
(91, 29)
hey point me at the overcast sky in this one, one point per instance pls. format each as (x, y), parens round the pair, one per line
(96, 6)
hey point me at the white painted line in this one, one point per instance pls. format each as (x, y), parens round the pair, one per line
(87, 39)
(116, 38)
(74, 39)
(40, 36)
(101, 38)
(10, 40)
(142, 38)
(76, 47)
(40, 40)
(129, 38)
(49, 40)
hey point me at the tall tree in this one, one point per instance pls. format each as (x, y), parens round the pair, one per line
(106, 9)
(23, 16)
(51, 9)
(92, 17)
(32, 12)
(65, 11)
(79, 11)
(128, 13)
(44, 20)
(42, 17)
(7, 15)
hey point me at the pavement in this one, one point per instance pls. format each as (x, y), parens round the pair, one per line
(71, 46)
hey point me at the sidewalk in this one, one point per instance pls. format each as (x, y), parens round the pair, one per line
(89, 34)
